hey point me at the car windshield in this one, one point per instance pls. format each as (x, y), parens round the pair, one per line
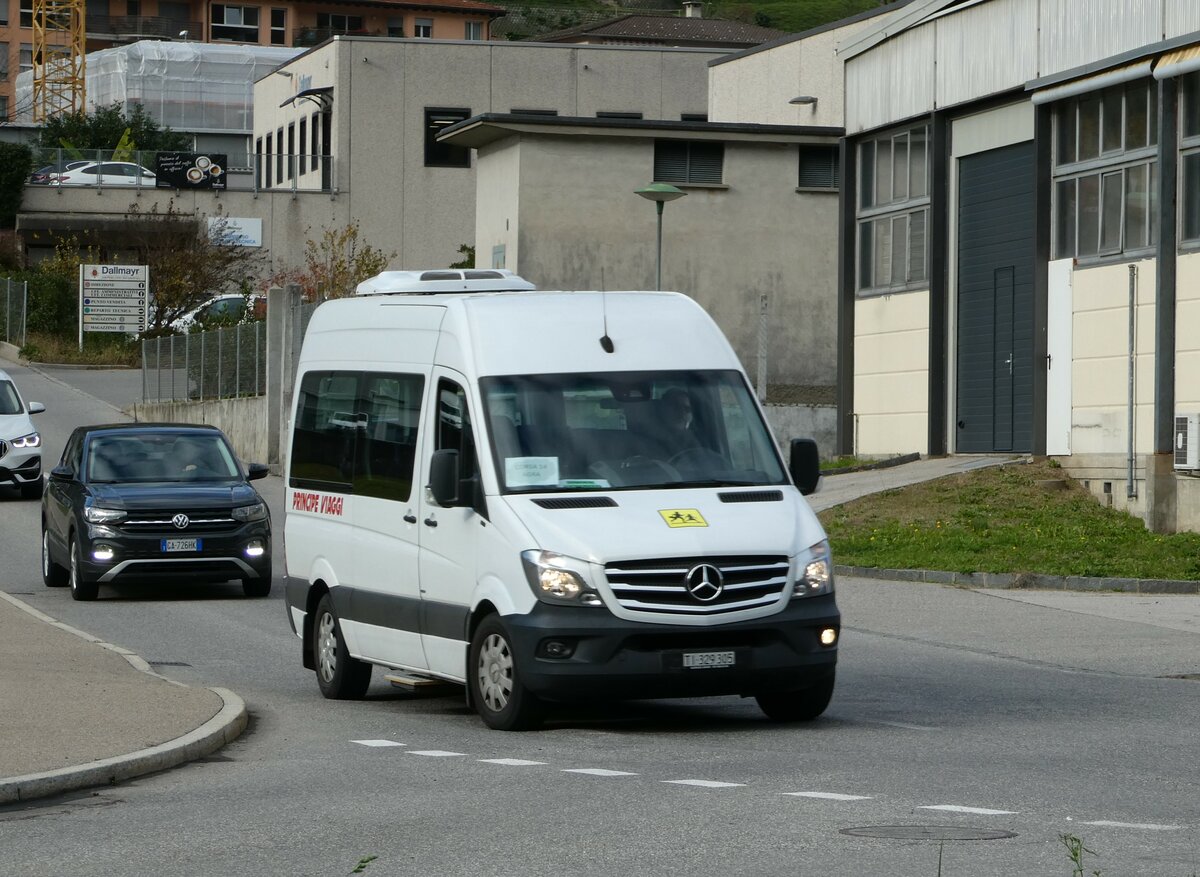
(157, 457)
(631, 430)
(10, 402)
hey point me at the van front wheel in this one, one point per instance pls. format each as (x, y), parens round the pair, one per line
(501, 699)
(339, 676)
(797, 706)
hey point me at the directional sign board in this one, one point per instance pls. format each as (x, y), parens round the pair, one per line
(113, 298)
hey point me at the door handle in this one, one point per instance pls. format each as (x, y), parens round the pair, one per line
(410, 518)
(430, 522)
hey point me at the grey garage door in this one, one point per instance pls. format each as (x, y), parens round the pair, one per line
(994, 409)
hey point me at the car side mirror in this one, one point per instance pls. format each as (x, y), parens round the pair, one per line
(443, 477)
(62, 473)
(805, 465)
(255, 471)
(36, 407)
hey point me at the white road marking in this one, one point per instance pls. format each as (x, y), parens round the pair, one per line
(1148, 826)
(979, 811)
(905, 725)
(433, 753)
(512, 762)
(599, 772)
(377, 743)
(829, 796)
(708, 784)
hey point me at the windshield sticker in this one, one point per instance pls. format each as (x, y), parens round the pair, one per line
(585, 483)
(683, 517)
(531, 471)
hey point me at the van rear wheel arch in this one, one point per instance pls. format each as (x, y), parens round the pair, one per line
(318, 590)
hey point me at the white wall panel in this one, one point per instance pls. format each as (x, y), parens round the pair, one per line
(891, 374)
(1181, 17)
(895, 80)
(985, 49)
(1077, 32)
(1187, 333)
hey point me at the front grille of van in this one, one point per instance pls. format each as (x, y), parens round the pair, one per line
(661, 585)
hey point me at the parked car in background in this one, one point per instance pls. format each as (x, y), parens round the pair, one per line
(43, 175)
(222, 310)
(20, 443)
(153, 502)
(104, 173)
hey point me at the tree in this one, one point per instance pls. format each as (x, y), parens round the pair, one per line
(110, 127)
(16, 161)
(335, 264)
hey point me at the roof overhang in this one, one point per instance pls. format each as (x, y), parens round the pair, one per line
(322, 97)
(488, 128)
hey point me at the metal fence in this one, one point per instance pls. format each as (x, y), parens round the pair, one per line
(219, 364)
(15, 307)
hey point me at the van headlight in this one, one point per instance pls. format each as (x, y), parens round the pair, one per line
(33, 440)
(256, 512)
(817, 574)
(558, 579)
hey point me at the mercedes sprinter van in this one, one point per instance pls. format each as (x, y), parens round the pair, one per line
(548, 497)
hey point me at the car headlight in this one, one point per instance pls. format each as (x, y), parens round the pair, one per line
(817, 575)
(33, 440)
(100, 515)
(256, 512)
(557, 579)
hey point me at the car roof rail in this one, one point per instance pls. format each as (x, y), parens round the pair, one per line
(444, 280)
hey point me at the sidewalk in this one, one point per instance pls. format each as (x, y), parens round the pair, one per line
(90, 713)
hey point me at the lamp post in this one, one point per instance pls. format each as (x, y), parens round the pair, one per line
(660, 194)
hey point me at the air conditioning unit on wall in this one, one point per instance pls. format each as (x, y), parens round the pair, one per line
(1187, 441)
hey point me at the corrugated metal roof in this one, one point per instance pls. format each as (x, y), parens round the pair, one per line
(666, 28)
(1093, 82)
(1178, 62)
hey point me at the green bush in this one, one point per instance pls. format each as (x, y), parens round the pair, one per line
(16, 162)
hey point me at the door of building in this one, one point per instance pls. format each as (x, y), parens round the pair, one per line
(994, 406)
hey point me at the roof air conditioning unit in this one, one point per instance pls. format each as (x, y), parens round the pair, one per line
(1187, 441)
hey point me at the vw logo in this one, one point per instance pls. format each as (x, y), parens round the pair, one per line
(704, 582)
(180, 521)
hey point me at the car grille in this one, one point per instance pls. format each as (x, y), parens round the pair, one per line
(3, 448)
(199, 521)
(659, 585)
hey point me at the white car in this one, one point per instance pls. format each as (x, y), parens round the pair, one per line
(20, 443)
(104, 173)
(224, 309)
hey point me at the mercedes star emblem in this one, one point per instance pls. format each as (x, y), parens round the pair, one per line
(704, 582)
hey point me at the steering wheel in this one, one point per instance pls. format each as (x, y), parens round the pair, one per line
(685, 456)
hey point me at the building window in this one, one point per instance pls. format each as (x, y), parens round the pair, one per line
(618, 115)
(1189, 159)
(291, 151)
(25, 58)
(444, 154)
(303, 140)
(3, 13)
(3, 107)
(423, 27)
(3, 62)
(266, 164)
(893, 210)
(133, 8)
(26, 13)
(236, 23)
(316, 141)
(818, 168)
(1105, 172)
(278, 155)
(278, 27)
(516, 111)
(395, 26)
(693, 117)
(474, 30)
(684, 161)
(342, 24)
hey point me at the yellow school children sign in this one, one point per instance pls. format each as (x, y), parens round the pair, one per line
(683, 517)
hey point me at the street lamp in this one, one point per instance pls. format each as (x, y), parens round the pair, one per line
(660, 194)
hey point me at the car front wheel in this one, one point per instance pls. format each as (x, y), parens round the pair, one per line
(499, 695)
(52, 574)
(340, 676)
(81, 589)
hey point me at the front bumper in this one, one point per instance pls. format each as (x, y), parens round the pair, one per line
(140, 557)
(17, 467)
(618, 659)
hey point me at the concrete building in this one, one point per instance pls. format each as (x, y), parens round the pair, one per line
(1019, 242)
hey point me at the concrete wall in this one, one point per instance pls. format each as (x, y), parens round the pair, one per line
(817, 422)
(580, 225)
(891, 374)
(243, 420)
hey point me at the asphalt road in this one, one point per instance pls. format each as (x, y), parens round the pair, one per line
(957, 713)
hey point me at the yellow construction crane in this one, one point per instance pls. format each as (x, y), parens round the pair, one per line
(59, 57)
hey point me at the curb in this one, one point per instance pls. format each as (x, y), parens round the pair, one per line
(225, 727)
(879, 464)
(1023, 581)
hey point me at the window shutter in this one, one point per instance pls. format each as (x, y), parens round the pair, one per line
(818, 167)
(707, 162)
(670, 161)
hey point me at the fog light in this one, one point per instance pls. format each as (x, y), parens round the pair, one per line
(102, 552)
(554, 648)
(828, 636)
(255, 549)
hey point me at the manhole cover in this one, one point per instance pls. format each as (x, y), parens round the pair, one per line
(927, 832)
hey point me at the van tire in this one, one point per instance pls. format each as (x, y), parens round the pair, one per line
(797, 706)
(499, 696)
(339, 676)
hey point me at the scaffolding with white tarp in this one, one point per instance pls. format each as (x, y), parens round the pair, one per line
(185, 86)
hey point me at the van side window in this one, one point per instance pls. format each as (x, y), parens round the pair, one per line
(389, 408)
(325, 434)
(454, 427)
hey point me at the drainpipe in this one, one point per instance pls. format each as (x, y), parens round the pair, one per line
(1130, 487)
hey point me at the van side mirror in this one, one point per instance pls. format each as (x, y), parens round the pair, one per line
(62, 473)
(805, 465)
(443, 477)
(36, 407)
(255, 471)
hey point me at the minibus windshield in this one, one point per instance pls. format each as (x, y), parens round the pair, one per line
(627, 430)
